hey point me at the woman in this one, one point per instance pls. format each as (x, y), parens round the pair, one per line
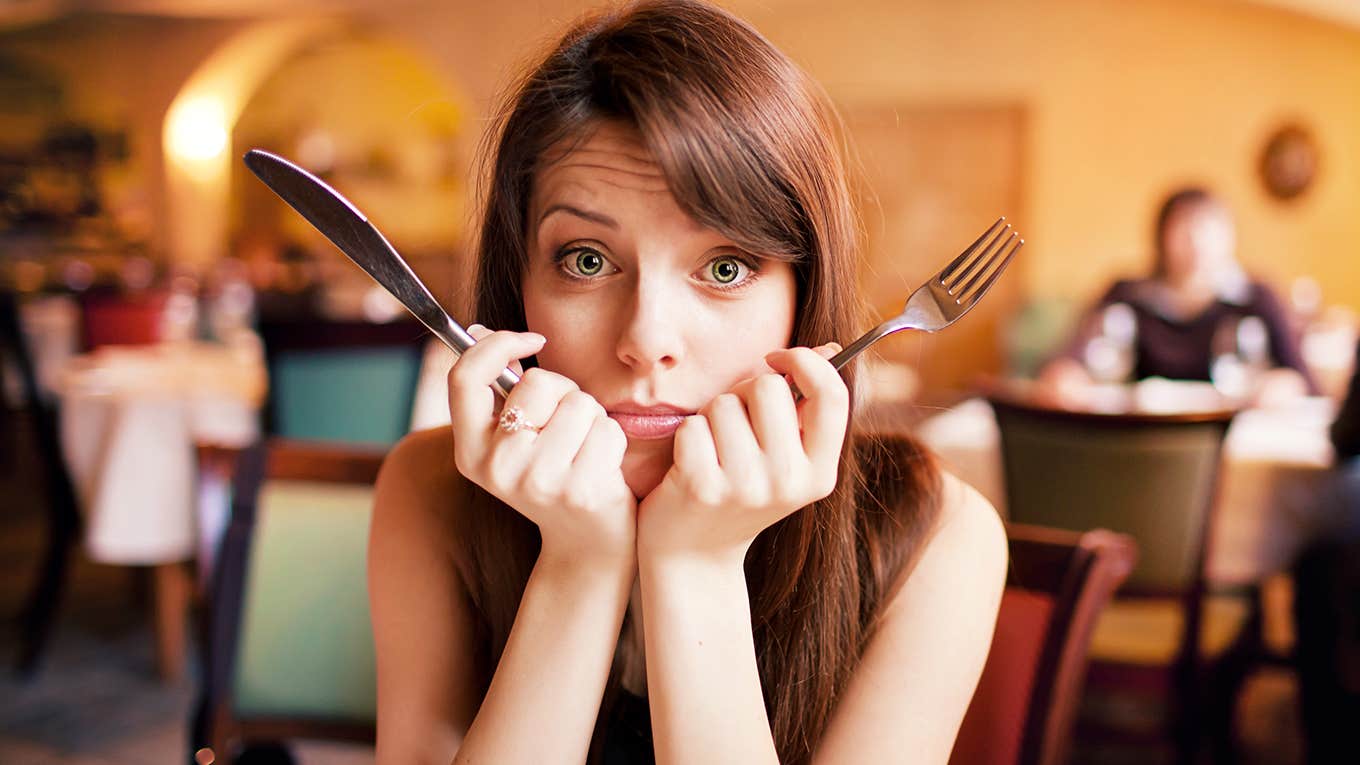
(654, 549)
(1191, 310)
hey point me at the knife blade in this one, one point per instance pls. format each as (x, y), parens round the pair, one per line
(347, 228)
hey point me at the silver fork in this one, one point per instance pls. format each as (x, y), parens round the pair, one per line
(949, 294)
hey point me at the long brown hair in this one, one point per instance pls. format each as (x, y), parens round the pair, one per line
(749, 147)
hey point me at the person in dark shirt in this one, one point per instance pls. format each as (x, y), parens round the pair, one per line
(1346, 428)
(1196, 306)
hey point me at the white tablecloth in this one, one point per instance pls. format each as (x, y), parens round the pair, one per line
(1276, 472)
(130, 419)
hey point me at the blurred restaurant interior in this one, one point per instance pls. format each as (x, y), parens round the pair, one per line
(164, 314)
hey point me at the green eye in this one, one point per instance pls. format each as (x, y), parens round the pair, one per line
(725, 270)
(589, 262)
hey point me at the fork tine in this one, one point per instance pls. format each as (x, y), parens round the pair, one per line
(1001, 259)
(957, 263)
(984, 257)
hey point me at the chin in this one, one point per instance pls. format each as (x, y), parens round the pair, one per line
(644, 469)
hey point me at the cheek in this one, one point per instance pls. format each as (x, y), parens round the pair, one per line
(572, 349)
(755, 327)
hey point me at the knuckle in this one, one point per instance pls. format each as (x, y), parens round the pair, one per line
(540, 487)
(707, 493)
(771, 386)
(534, 377)
(458, 376)
(579, 400)
(500, 472)
(725, 402)
(613, 432)
(578, 496)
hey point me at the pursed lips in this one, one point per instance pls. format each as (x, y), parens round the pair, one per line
(648, 422)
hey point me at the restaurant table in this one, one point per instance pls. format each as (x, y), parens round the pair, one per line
(1271, 502)
(131, 419)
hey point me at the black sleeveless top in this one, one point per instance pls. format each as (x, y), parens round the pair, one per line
(628, 732)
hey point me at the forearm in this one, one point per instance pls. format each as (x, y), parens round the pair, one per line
(703, 684)
(545, 695)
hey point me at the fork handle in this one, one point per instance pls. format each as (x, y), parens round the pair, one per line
(856, 348)
(865, 340)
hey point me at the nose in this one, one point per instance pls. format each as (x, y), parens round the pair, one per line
(651, 338)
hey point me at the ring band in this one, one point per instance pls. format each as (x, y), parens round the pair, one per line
(513, 420)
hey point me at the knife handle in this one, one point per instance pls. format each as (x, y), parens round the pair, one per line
(458, 340)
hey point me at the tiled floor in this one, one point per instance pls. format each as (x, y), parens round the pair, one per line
(97, 701)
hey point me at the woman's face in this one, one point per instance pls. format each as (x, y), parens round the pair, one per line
(647, 310)
(1198, 243)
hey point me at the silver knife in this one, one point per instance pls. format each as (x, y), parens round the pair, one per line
(348, 229)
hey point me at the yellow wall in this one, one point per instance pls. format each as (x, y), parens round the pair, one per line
(1124, 100)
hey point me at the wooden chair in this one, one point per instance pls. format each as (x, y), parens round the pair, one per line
(289, 648)
(1026, 701)
(1153, 477)
(351, 382)
(62, 513)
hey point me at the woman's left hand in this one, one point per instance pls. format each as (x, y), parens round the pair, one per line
(751, 457)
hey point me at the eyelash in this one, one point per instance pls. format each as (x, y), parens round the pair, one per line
(559, 261)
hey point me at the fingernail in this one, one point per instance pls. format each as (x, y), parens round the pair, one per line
(835, 347)
(474, 328)
(536, 338)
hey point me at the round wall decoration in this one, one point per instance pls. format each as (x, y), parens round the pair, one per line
(1289, 162)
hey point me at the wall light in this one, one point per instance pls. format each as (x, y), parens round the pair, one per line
(198, 129)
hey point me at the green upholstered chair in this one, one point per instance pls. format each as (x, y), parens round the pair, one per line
(289, 648)
(1026, 700)
(350, 382)
(1154, 478)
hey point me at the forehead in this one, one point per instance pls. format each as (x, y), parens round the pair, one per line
(608, 157)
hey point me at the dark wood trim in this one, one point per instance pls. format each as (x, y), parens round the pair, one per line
(1080, 571)
(283, 729)
(320, 334)
(1014, 403)
(296, 460)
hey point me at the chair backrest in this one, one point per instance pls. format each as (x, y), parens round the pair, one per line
(350, 382)
(110, 317)
(290, 649)
(1153, 477)
(1026, 700)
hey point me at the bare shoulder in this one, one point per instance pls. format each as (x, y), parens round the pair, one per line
(420, 466)
(423, 627)
(969, 527)
(936, 629)
(967, 548)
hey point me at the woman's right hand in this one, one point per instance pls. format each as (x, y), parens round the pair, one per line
(567, 478)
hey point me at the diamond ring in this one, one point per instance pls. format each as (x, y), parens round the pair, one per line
(513, 420)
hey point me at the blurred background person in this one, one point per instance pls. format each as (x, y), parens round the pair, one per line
(1198, 316)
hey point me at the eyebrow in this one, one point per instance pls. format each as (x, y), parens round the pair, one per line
(593, 217)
